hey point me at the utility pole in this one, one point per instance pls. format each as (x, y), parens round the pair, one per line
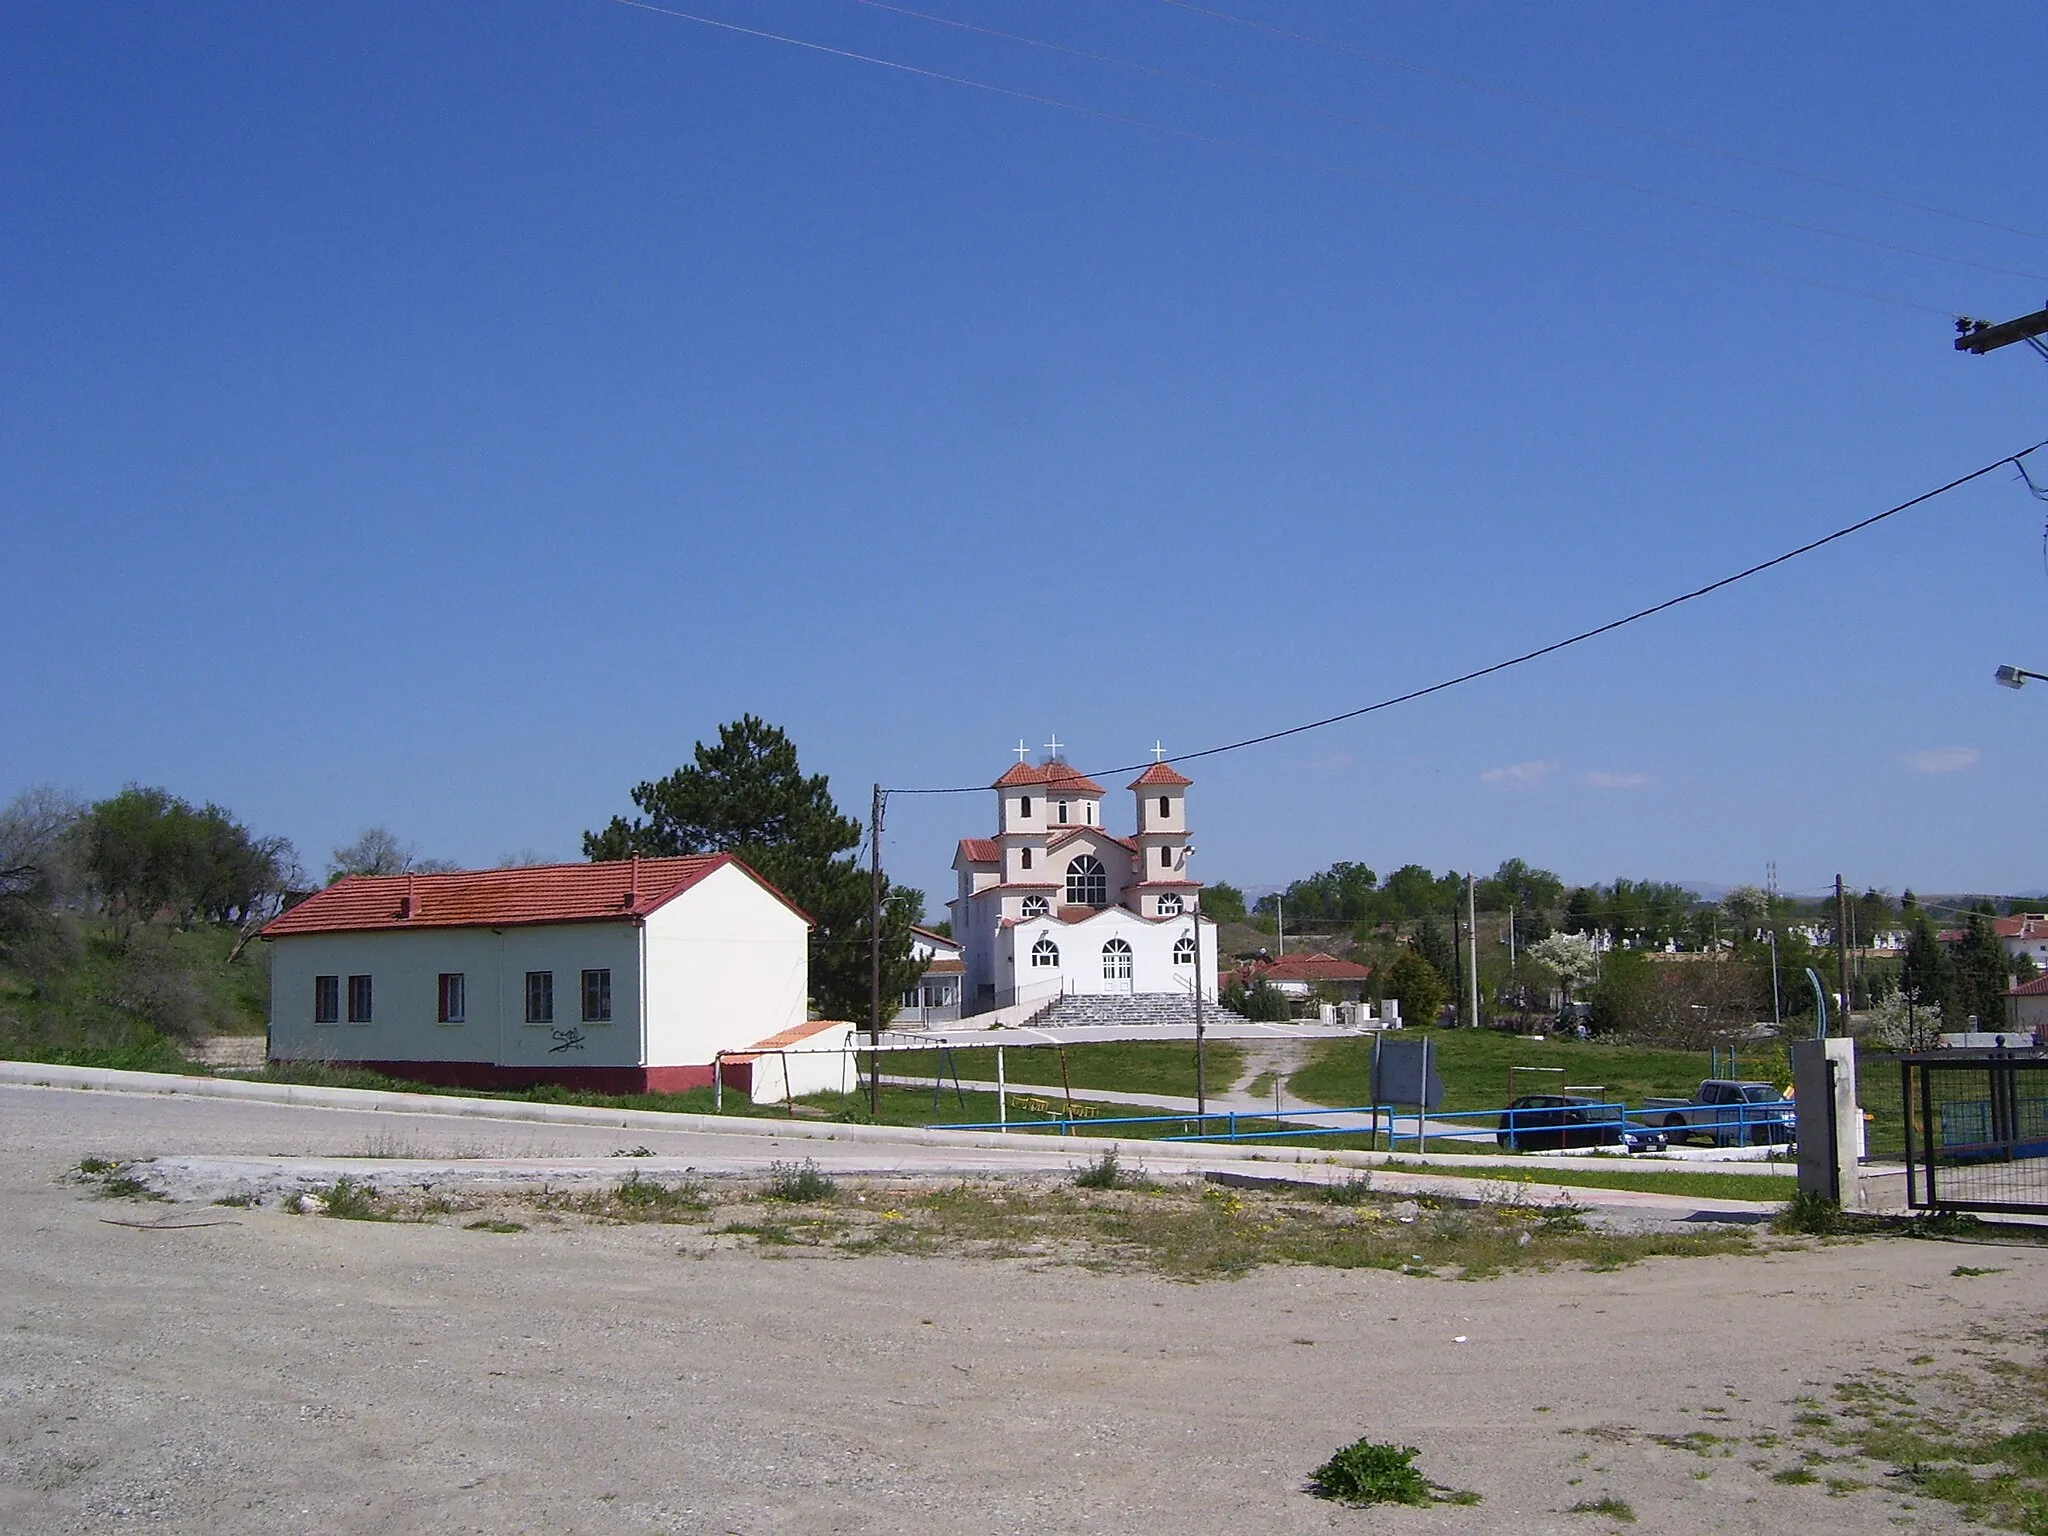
(1842, 950)
(1472, 943)
(1280, 921)
(875, 957)
(1981, 336)
(1201, 1058)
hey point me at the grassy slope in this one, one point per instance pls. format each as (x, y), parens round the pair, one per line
(1474, 1067)
(1142, 1066)
(79, 993)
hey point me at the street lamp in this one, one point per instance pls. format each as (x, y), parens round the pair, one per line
(2016, 677)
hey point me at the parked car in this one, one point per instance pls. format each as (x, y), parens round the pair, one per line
(1729, 1113)
(1549, 1122)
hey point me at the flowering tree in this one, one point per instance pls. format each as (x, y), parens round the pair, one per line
(1570, 957)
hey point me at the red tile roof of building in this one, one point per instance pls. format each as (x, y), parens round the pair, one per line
(933, 936)
(1021, 773)
(2024, 925)
(1161, 776)
(981, 850)
(1062, 780)
(1315, 966)
(613, 891)
(1065, 834)
(2038, 987)
(791, 1038)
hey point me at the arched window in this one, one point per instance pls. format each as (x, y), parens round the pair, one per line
(1036, 906)
(1116, 961)
(1087, 882)
(1045, 954)
(1184, 949)
(1169, 905)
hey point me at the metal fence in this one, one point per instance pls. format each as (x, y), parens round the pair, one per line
(1975, 1131)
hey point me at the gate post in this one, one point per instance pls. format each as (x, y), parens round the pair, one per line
(1824, 1095)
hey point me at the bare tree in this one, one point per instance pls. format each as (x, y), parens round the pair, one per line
(379, 851)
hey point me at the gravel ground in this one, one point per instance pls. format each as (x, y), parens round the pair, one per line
(282, 1373)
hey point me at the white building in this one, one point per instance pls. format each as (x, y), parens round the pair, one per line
(935, 996)
(1055, 903)
(626, 977)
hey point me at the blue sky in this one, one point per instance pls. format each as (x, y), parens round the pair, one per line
(444, 416)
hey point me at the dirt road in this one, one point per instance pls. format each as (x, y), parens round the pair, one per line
(295, 1373)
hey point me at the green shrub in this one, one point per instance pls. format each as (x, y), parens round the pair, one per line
(1354, 1190)
(799, 1182)
(1809, 1213)
(1607, 1504)
(651, 1196)
(1370, 1472)
(1106, 1172)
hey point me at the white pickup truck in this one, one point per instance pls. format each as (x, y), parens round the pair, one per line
(1727, 1112)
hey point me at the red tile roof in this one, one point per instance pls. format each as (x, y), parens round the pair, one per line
(1066, 833)
(1062, 780)
(1021, 773)
(981, 850)
(791, 1038)
(1160, 776)
(618, 890)
(2038, 987)
(1315, 966)
(2026, 925)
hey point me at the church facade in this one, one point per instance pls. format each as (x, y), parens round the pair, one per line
(1055, 903)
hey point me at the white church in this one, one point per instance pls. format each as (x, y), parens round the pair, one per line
(1057, 904)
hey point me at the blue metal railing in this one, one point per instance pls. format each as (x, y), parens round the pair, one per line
(1517, 1129)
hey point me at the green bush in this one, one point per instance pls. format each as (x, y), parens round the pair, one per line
(1371, 1472)
(799, 1182)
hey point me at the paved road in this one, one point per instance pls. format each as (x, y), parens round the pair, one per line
(286, 1374)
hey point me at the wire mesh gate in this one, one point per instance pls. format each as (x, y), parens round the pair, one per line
(1976, 1131)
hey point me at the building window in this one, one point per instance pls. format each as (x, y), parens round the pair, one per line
(1045, 954)
(1165, 808)
(1165, 857)
(1024, 806)
(453, 999)
(1087, 882)
(1116, 961)
(1169, 905)
(1184, 949)
(1025, 863)
(359, 999)
(540, 997)
(326, 999)
(597, 997)
(1036, 906)
(1063, 813)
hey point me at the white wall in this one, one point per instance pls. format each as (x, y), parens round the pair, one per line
(819, 1064)
(726, 967)
(405, 967)
(1080, 946)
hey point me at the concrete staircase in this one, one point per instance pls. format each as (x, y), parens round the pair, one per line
(1134, 1011)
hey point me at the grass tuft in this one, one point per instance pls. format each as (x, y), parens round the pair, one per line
(799, 1183)
(1371, 1472)
(1607, 1504)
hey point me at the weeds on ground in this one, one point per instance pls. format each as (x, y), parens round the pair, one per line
(495, 1226)
(1607, 1504)
(1373, 1472)
(636, 1199)
(1809, 1214)
(1354, 1190)
(345, 1199)
(1108, 1172)
(799, 1183)
(1980, 1442)
(112, 1180)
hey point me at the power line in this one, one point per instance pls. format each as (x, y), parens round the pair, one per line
(1240, 146)
(1556, 645)
(1416, 136)
(1616, 124)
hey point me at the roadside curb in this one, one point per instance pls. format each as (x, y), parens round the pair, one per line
(109, 1080)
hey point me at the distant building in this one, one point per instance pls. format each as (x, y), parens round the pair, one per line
(1056, 904)
(1305, 975)
(625, 977)
(2024, 933)
(2026, 1011)
(935, 997)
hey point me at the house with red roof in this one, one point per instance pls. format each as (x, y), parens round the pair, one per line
(1303, 975)
(623, 977)
(1056, 904)
(2026, 1010)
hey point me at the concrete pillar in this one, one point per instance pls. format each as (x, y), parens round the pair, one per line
(1830, 1124)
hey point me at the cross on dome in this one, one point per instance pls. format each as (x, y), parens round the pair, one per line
(1158, 751)
(1054, 746)
(1023, 752)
